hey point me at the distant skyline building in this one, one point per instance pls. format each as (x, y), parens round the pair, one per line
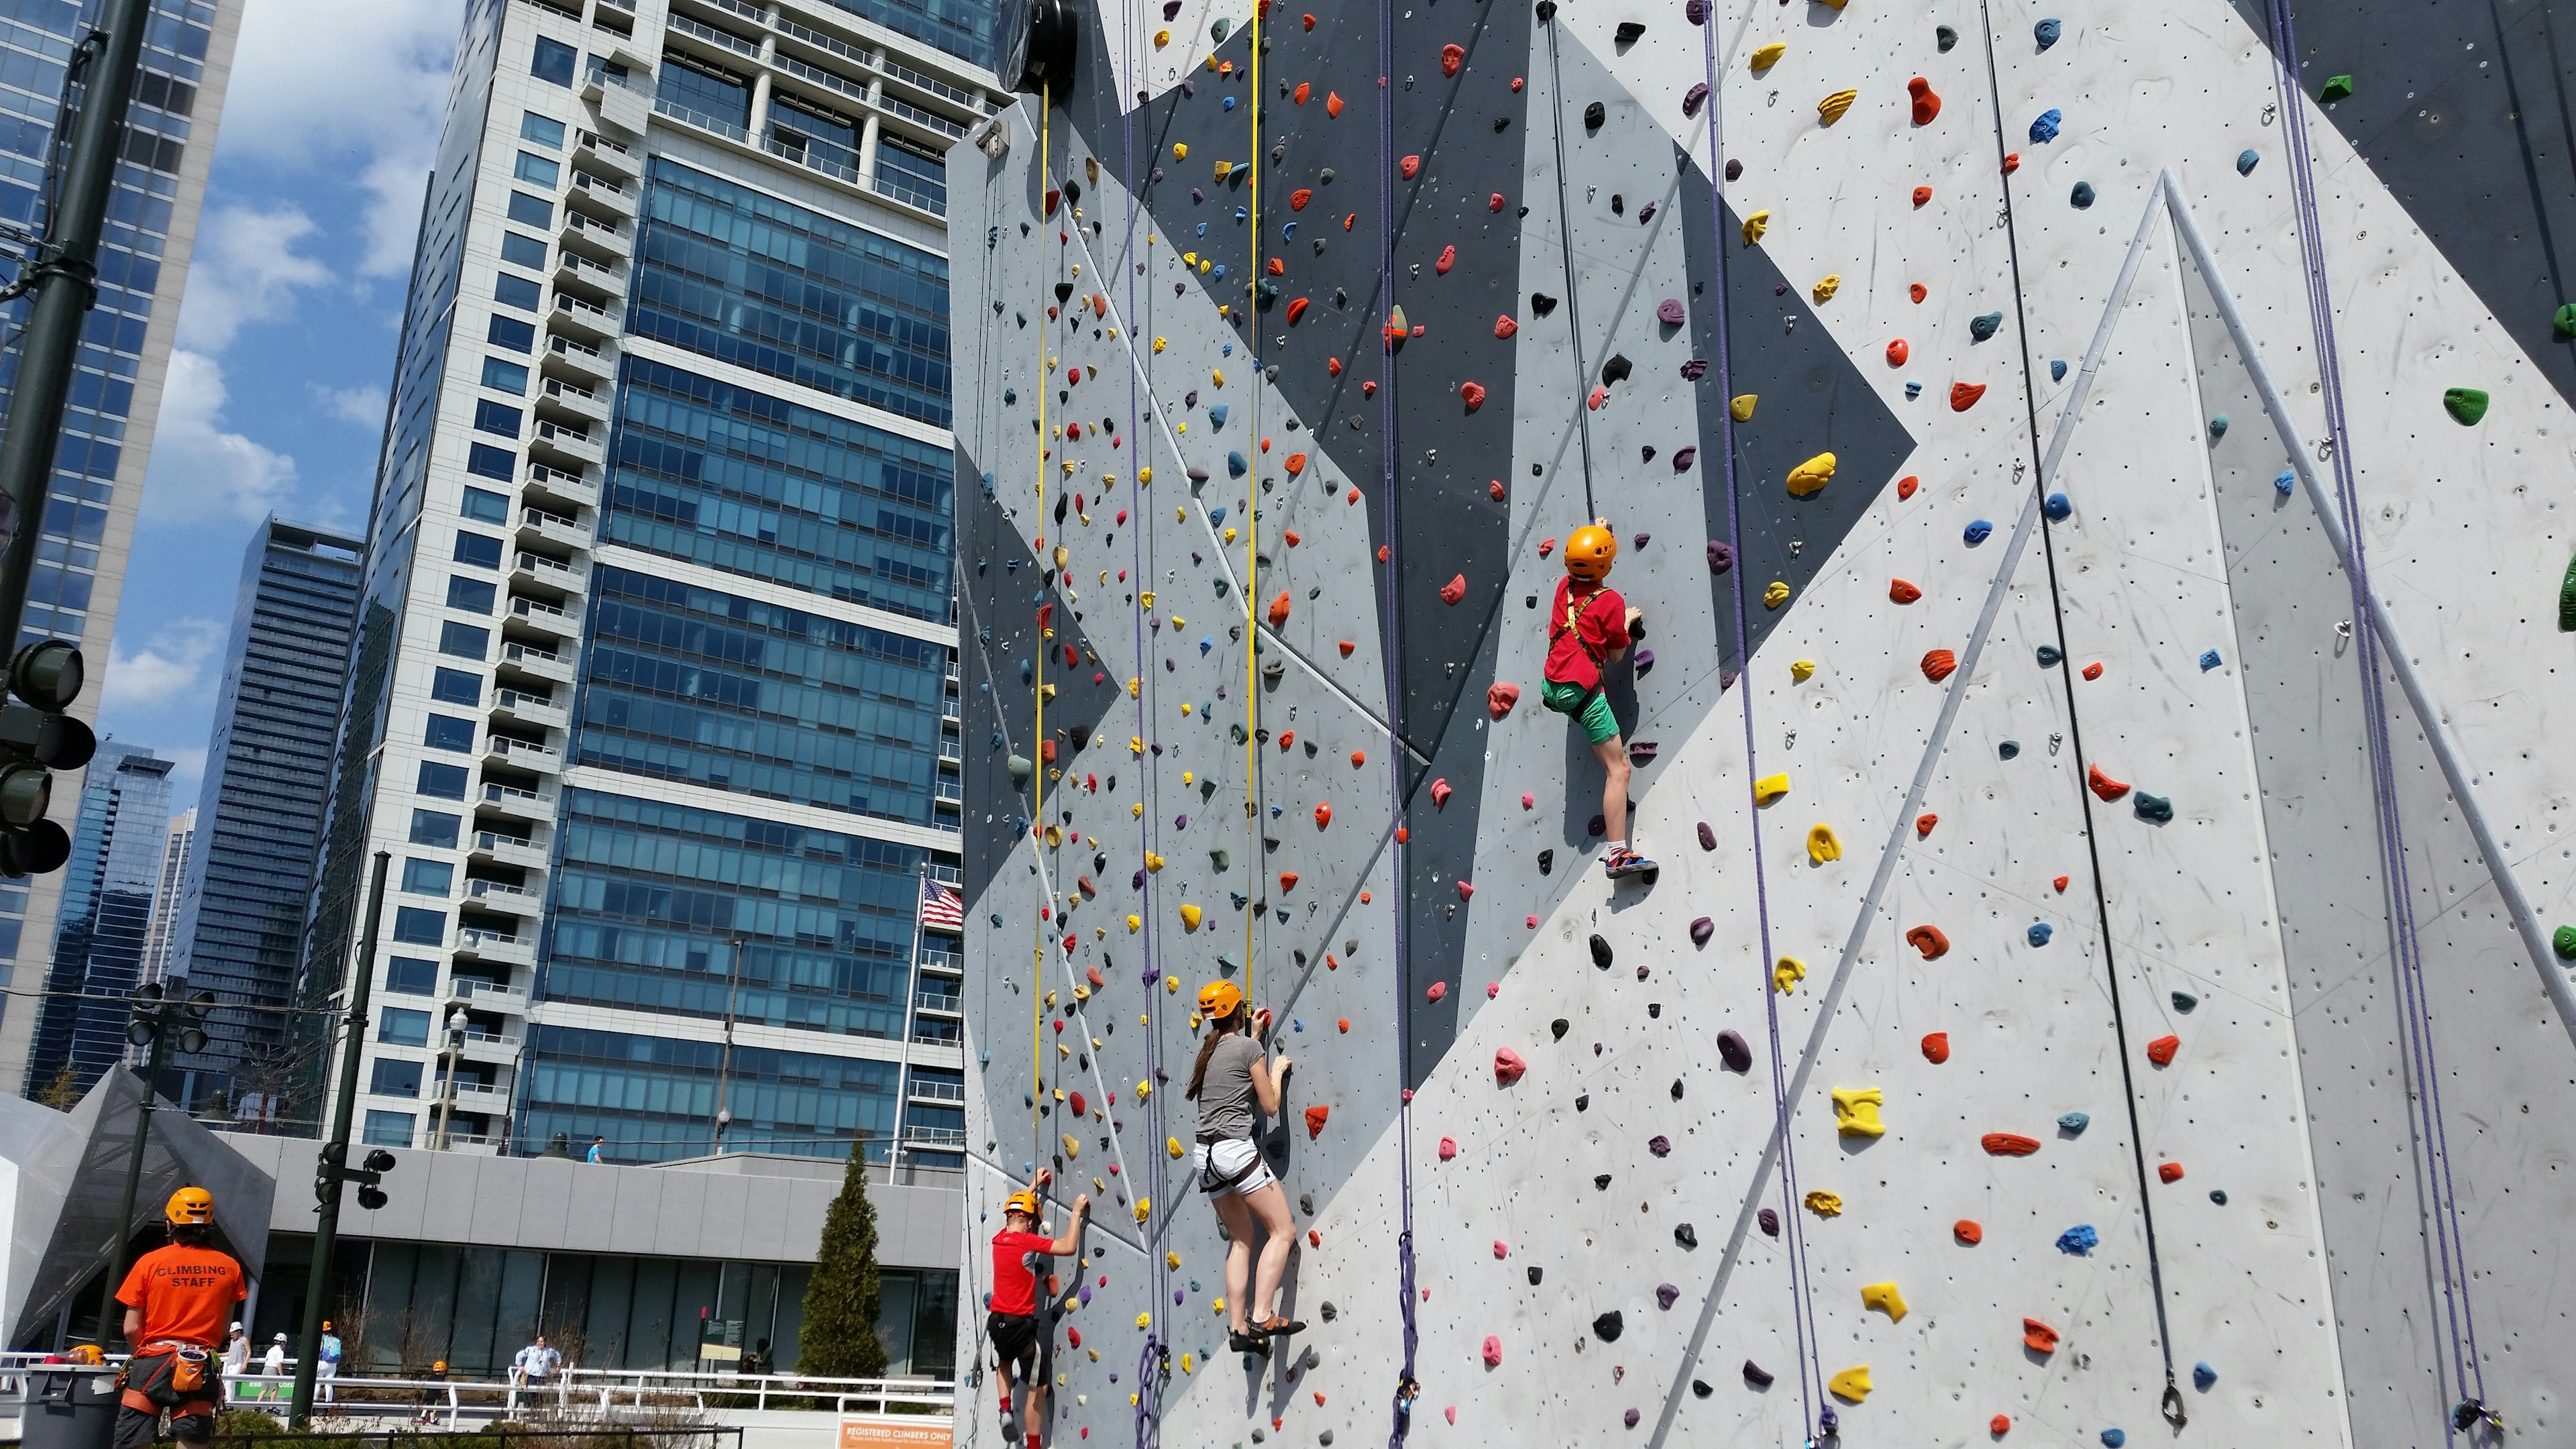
(117, 845)
(239, 913)
(178, 843)
(653, 696)
(123, 362)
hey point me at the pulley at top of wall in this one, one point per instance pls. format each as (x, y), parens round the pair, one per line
(1042, 49)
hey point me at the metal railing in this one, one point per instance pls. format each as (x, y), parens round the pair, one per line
(937, 1090)
(697, 30)
(700, 119)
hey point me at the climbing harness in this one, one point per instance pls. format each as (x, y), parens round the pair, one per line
(2468, 1373)
(2172, 1402)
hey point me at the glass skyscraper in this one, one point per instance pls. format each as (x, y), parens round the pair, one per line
(653, 705)
(239, 910)
(124, 351)
(118, 842)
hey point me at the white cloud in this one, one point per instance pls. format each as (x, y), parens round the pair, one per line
(170, 668)
(353, 88)
(364, 405)
(200, 471)
(246, 270)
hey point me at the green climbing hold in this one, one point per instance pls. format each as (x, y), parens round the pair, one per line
(2154, 807)
(2565, 319)
(2465, 404)
(1224, 27)
(1021, 769)
(2563, 941)
(2567, 600)
(2336, 88)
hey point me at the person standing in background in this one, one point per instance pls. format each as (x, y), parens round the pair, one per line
(236, 1355)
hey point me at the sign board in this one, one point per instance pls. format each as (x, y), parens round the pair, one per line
(891, 1433)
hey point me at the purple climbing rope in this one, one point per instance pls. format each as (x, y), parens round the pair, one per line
(1390, 575)
(1792, 1231)
(2467, 1371)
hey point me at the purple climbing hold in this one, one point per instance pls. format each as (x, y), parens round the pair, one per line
(1631, 1418)
(1770, 1221)
(1645, 660)
(1695, 369)
(1734, 169)
(1721, 556)
(1666, 1295)
(1696, 11)
(1138, 883)
(1707, 837)
(1732, 1051)
(1756, 1375)
(1670, 312)
(1683, 458)
(1701, 930)
(1660, 1145)
(1692, 98)
(1646, 213)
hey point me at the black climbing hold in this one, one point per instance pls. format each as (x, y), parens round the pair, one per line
(1600, 953)
(1700, 1390)
(1732, 1051)
(1534, 1277)
(1677, 1089)
(1602, 1182)
(1541, 303)
(1064, 291)
(1546, 861)
(1593, 115)
(1686, 1235)
(1630, 31)
(2218, 1195)
(1616, 369)
(1654, 1009)
(1945, 37)
(1755, 1375)
(2009, 749)
(2049, 656)
(1584, 1104)
(1770, 1220)
(1331, 1313)
(2184, 1001)
(1546, 11)
(1734, 169)
(1608, 1326)
(1558, 1028)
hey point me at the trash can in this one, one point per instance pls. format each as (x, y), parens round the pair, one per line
(69, 1406)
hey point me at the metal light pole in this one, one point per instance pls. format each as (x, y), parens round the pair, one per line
(158, 1021)
(724, 1068)
(62, 274)
(331, 1172)
(448, 1059)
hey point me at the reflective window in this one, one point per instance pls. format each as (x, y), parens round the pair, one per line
(533, 211)
(484, 507)
(523, 251)
(539, 131)
(428, 878)
(536, 170)
(512, 333)
(480, 550)
(419, 927)
(389, 1129)
(402, 1026)
(455, 686)
(664, 1090)
(517, 292)
(553, 61)
(472, 595)
(497, 418)
(464, 641)
(395, 1079)
(485, 461)
(411, 976)
(439, 782)
(447, 732)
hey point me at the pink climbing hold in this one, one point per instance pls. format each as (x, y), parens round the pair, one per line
(1472, 394)
(1448, 259)
(1448, 1145)
(1438, 990)
(1495, 202)
(1440, 792)
(1500, 697)
(1452, 1410)
(1493, 989)
(1504, 326)
(1501, 1249)
(1508, 1066)
(1465, 890)
(1493, 1351)
(1670, 312)
(1411, 166)
(1452, 56)
(1599, 396)
(1454, 590)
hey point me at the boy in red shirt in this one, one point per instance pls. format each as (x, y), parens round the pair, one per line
(1587, 629)
(1024, 1343)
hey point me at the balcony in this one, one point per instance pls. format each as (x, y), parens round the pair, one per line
(521, 755)
(494, 948)
(499, 895)
(938, 1031)
(940, 1003)
(934, 1139)
(610, 195)
(553, 573)
(943, 962)
(561, 529)
(606, 157)
(709, 35)
(937, 1089)
(471, 1096)
(581, 359)
(581, 271)
(545, 664)
(557, 626)
(515, 706)
(494, 847)
(599, 236)
(587, 406)
(481, 995)
(568, 492)
(586, 320)
(493, 1047)
(621, 106)
(562, 445)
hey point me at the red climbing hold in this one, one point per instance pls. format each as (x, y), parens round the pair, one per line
(2008, 1144)
(1926, 104)
(1310, 22)
(1287, 881)
(1906, 485)
(1493, 1351)
(1296, 310)
(1508, 1066)
(1440, 793)
(1923, 825)
(1999, 1425)
(1333, 366)
(2038, 1337)
(2012, 162)
(1080, 1107)
(1304, 89)
(1298, 198)
(1499, 698)
(1448, 259)
(2169, 1172)
(1410, 167)
(2104, 786)
(1454, 590)
(1472, 394)
(1502, 1249)
(1922, 195)
(1918, 291)
(1897, 352)
(1939, 664)
(2161, 1050)
(1936, 1047)
(1279, 610)
(1315, 1116)
(1452, 56)
(2060, 883)
(1346, 646)
(1323, 815)
(1333, 105)
(1438, 989)
(1494, 202)
(1968, 1231)
(1599, 396)
(1494, 489)
(1899, 591)
(1964, 395)
(1448, 1148)
(2093, 670)
(1929, 941)
(1295, 464)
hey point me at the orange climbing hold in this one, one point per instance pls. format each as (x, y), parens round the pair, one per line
(1344, 1023)
(2012, 162)
(1936, 1047)
(1926, 103)
(1918, 291)
(1358, 758)
(1922, 195)
(1304, 89)
(2038, 1337)
(1295, 464)
(1315, 1116)
(1923, 825)
(2104, 786)
(1964, 395)
(1333, 366)
(1504, 326)
(1897, 352)
(1452, 56)
(2093, 670)
(1333, 105)
(1287, 881)
(1290, 536)
(1279, 610)
(2060, 883)
(2168, 1172)
(1472, 394)
(1968, 1231)
(1454, 590)
(1323, 815)
(1999, 1425)
(2008, 1144)
(1296, 310)
(1939, 664)
(1929, 941)
(1310, 22)
(1298, 198)
(1899, 591)
(1906, 485)
(1410, 167)
(2161, 1050)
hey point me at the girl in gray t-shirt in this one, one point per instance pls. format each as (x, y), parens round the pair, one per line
(1233, 1076)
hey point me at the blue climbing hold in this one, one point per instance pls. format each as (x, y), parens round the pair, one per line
(2202, 1376)
(2209, 660)
(1217, 414)
(2287, 481)
(2050, 656)
(2245, 163)
(1984, 327)
(1288, 232)
(1216, 517)
(2040, 931)
(2047, 32)
(2154, 807)
(2044, 130)
(1229, 103)
(2079, 1240)
(1235, 466)
(1028, 671)
(2114, 1438)
(2057, 369)
(1914, 389)
(2074, 1123)
(1203, 228)
(2008, 749)
(1206, 643)
(1241, 212)
(2082, 196)
(2218, 1195)
(1978, 532)
(2217, 426)
(2058, 507)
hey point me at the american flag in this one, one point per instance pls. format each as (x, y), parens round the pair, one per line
(942, 909)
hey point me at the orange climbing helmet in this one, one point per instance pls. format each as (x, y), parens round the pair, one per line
(1024, 1202)
(1589, 550)
(189, 1205)
(1220, 999)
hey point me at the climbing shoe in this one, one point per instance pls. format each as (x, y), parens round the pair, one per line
(1251, 1343)
(1620, 864)
(1010, 1422)
(1278, 1327)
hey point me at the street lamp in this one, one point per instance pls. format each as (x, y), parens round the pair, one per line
(160, 1019)
(448, 1057)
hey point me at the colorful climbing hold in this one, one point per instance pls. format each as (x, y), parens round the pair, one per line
(1824, 289)
(1968, 1231)
(1740, 407)
(1831, 108)
(1852, 1383)
(1315, 1116)
(2008, 1144)
(1786, 975)
(1733, 1052)
(1774, 594)
(1964, 395)
(2046, 33)
(1936, 1047)
(2161, 1050)
(1190, 916)
(2336, 88)
(1897, 352)
(1923, 825)
(1982, 327)
(1856, 1111)
(2154, 808)
(1825, 1204)
(1770, 788)
(1885, 1298)
(2078, 1240)
(1977, 532)
(1821, 845)
(2168, 1172)
(1938, 665)
(1755, 225)
(1768, 55)
(1508, 1066)
(1929, 941)
(1926, 104)
(2044, 127)
(2039, 932)
(2103, 785)
(2082, 196)
(2038, 1336)
(1901, 592)
(2465, 405)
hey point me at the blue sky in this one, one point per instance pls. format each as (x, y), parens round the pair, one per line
(286, 334)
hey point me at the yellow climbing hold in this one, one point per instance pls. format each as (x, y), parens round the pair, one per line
(1801, 670)
(1224, 169)
(1063, 556)
(1173, 1260)
(1143, 1321)
(1144, 1208)
(1810, 477)
(1145, 476)
(1136, 811)
(1856, 1111)
(1769, 55)
(1189, 916)
(1770, 788)
(1134, 924)
(1180, 150)
(1162, 38)
(1774, 594)
(1756, 224)
(1188, 259)
(1884, 1298)
(1821, 844)
(1172, 1145)
(1189, 1363)
(1158, 347)
(1072, 1145)
(1825, 1204)
(1741, 405)
(1154, 863)
(1216, 376)
(1171, 986)
(1851, 1383)
(1786, 976)
(1833, 106)
(1824, 290)
(1144, 1089)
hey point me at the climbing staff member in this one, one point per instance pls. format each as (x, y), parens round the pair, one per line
(1232, 1074)
(1023, 1341)
(177, 1300)
(1590, 627)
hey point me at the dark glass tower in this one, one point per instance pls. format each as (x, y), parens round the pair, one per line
(106, 918)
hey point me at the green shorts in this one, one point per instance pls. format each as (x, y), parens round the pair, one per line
(1600, 726)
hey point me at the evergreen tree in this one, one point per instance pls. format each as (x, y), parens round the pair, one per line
(840, 1333)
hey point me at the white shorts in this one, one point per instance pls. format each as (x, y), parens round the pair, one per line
(1232, 1167)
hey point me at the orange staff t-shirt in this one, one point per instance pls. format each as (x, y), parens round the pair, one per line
(186, 1294)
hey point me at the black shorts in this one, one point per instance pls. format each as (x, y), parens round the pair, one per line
(136, 1429)
(1025, 1345)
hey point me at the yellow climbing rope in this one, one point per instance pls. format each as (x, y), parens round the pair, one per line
(1037, 744)
(1252, 546)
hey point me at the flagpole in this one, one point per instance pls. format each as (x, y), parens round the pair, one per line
(911, 994)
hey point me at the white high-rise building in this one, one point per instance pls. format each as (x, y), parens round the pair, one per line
(652, 701)
(177, 846)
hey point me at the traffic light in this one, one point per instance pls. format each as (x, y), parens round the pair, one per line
(370, 1196)
(36, 739)
(329, 1173)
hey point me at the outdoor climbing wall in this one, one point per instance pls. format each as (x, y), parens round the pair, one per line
(2022, 1035)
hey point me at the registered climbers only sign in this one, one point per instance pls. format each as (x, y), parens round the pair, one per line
(875, 1433)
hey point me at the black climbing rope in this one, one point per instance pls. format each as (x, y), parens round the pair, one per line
(1565, 248)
